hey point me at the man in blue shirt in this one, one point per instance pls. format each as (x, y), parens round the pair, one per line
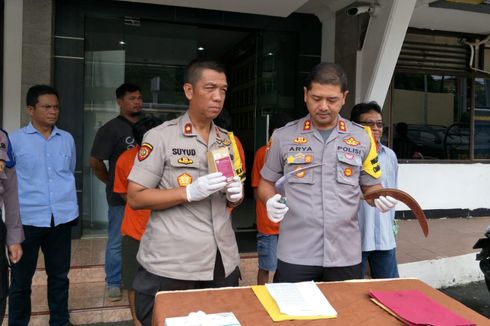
(377, 228)
(45, 157)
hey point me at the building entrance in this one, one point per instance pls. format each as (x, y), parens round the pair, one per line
(150, 45)
(153, 55)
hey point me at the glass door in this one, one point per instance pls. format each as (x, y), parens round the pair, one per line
(276, 80)
(152, 55)
(104, 72)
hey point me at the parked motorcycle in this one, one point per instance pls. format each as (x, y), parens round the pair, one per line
(484, 256)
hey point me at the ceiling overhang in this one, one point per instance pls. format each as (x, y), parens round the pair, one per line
(281, 8)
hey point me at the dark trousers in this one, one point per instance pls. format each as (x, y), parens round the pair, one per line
(4, 281)
(55, 242)
(146, 285)
(286, 272)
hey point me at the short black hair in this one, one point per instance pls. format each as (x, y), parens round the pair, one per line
(126, 88)
(327, 73)
(143, 125)
(195, 67)
(278, 120)
(37, 90)
(361, 108)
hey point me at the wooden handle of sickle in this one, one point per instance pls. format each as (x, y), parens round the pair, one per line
(407, 200)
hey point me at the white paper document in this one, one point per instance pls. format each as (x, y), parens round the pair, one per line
(300, 299)
(200, 318)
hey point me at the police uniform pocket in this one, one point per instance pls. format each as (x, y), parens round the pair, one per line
(183, 170)
(304, 177)
(348, 168)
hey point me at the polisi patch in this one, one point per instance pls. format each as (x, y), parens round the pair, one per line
(347, 149)
(144, 151)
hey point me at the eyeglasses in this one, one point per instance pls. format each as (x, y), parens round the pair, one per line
(371, 124)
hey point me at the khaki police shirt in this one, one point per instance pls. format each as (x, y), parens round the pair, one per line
(181, 242)
(321, 227)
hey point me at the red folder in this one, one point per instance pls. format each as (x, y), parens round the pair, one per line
(415, 308)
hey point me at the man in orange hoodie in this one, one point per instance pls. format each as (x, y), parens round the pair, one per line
(267, 231)
(134, 221)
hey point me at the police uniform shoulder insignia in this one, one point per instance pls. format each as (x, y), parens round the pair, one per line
(307, 125)
(300, 140)
(144, 151)
(351, 141)
(342, 126)
(188, 128)
(185, 160)
(184, 179)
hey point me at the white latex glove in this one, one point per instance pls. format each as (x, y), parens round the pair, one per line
(384, 204)
(234, 190)
(275, 209)
(204, 186)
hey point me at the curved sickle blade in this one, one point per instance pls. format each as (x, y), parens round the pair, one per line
(407, 200)
(280, 183)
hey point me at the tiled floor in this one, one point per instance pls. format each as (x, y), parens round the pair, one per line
(447, 237)
(84, 252)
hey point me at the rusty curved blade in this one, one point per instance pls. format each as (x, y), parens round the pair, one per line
(407, 200)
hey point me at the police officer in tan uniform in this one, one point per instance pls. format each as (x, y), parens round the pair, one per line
(189, 241)
(319, 238)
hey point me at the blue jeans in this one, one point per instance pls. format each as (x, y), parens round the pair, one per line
(114, 247)
(55, 242)
(267, 251)
(381, 262)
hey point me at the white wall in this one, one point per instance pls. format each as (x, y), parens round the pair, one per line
(446, 186)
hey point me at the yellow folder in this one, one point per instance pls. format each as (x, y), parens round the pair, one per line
(273, 310)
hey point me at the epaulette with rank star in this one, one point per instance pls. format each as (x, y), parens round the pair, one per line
(188, 128)
(342, 126)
